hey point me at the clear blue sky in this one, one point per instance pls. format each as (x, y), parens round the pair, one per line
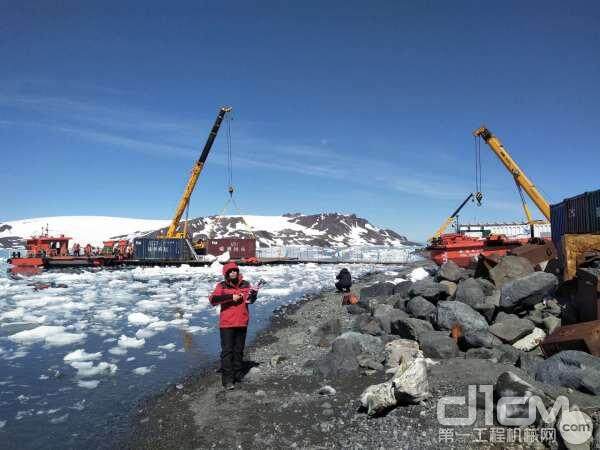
(364, 107)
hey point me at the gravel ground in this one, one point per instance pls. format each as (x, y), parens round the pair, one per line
(278, 405)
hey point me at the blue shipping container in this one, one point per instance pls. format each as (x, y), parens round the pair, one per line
(558, 224)
(594, 211)
(578, 217)
(161, 249)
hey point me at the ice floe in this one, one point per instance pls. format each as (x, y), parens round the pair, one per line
(81, 355)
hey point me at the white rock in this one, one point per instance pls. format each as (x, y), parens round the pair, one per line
(531, 341)
(418, 274)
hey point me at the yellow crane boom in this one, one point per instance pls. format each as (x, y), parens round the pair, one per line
(523, 182)
(197, 169)
(450, 219)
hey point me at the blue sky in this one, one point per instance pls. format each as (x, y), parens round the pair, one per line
(364, 107)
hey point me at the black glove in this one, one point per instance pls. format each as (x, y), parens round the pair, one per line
(252, 296)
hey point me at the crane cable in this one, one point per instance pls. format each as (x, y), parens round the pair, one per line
(478, 172)
(230, 187)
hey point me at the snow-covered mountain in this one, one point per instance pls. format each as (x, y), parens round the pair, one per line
(321, 230)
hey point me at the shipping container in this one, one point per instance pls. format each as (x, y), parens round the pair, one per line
(578, 218)
(238, 248)
(558, 224)
(594, 211)
(162, 249)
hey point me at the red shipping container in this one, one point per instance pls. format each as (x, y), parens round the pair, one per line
(238, 248)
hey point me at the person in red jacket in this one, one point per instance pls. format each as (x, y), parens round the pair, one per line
(233, 295)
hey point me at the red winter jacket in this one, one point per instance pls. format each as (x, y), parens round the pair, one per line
(233, 314)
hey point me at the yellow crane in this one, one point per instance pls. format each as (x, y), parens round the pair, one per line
(450, 219)
(191, 184)
(522, 181)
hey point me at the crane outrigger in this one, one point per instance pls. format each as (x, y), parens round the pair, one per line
(172, 232)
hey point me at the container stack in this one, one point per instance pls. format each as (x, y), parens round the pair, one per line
(575, 224)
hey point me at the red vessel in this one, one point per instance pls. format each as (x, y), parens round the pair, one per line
(44, 251)
(464, 250)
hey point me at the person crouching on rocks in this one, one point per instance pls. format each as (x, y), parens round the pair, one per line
(344, 282)
(233, 295)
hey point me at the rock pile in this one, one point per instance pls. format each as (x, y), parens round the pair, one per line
(450, 313)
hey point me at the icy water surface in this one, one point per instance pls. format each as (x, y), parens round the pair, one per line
(74, 360)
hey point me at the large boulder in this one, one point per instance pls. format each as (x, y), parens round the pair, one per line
(502, 316)
(450, 271)
(573, 369)
(438, 345)
(381, 289)
(451, 313)
(400, 350)
(402, 288)
(510, 268)
(428, 289)
(386, 314)
(344, 350)
(367, 344)
(481, 338)
(410, 328)
(469, 291)
(451, 287)
(420, 308)
(368, 324)
(528, 362)
(527, 291)
(473, 292)
(511, 331)
(487, 286)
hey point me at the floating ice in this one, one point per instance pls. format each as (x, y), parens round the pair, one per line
(81, 355)
(2, 423)
(169, 346)
(88, 384)
(142, 370)
(60, 419)
(144, 333)
(139, 318)
(418, 274)
(118, 351)
(51, 335)
(130, 342)
(86, 369)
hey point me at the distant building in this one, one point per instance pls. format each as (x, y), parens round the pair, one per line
(513, 229)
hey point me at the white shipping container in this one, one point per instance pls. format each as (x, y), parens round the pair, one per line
(513, 230)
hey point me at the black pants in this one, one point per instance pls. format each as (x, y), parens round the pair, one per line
(233, 341)
(342, 287)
